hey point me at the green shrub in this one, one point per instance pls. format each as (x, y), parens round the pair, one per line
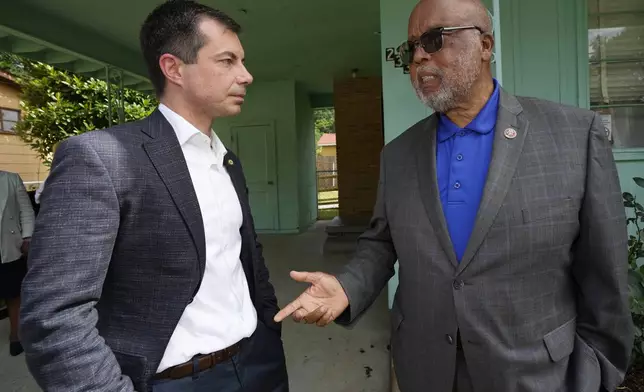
(635, 218)
(57, 104)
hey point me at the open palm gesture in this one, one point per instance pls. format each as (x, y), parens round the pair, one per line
(321, 303)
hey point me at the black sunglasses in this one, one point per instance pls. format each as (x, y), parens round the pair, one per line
(431, 41)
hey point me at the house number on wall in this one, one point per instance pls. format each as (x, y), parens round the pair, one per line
(391, 54)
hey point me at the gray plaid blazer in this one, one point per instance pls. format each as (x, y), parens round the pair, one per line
(117, 254)
(540, 297)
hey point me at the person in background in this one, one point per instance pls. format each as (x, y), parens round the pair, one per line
(16, 228)
(505, 214)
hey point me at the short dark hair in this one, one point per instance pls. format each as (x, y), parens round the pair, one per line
(173, 27)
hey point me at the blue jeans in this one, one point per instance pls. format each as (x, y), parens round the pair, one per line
(260, 366)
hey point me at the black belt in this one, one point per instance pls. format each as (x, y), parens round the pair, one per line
(204, 362)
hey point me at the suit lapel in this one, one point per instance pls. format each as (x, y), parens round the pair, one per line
(247, 231)
(505, 156)
(167, 157)
(428, 185)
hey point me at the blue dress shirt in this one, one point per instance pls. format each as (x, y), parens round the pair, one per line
(462, 160)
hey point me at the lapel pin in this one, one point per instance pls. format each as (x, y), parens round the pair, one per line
(510, 133)
(230, 162)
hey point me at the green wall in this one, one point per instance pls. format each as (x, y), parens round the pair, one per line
(274, 101)
(307, 188)
(630, 163)
(552, 63)
(545, 62)
(401, 107)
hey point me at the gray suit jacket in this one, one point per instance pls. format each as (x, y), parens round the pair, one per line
(540, 297)
(117, 254)
(16, 216)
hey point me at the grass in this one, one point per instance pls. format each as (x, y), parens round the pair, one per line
(328, 197)
(325, 198)
(327, 214)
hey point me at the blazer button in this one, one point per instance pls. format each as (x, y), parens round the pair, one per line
(458, 284)
(13, 232)
(449, 339)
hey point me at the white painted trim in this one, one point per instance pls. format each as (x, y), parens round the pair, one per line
(496, 22)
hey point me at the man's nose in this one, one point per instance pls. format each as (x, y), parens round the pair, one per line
(245, 77)
(420, 55)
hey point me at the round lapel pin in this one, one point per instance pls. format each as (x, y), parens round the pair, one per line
(510, 133)
(230, 162)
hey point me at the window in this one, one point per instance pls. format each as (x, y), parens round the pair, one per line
(616, 57)
(8, 119)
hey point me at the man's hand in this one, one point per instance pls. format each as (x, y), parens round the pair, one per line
(319, 304)
(24, 248)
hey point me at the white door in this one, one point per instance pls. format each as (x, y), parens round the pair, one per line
(255, 146)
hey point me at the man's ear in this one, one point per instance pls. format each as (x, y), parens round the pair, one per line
(487, 44)
(172, 68)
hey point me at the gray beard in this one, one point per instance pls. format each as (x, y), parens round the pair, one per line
(455, 88)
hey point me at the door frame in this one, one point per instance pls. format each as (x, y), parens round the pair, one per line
(235, 143)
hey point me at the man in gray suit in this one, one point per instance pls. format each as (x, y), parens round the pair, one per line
(145, 272)
(505, 215)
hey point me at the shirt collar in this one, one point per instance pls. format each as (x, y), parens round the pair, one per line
(186, 132)
(483, 123)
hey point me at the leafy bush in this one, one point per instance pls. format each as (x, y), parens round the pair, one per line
(636, 268)
(57, 104)
(324, 122)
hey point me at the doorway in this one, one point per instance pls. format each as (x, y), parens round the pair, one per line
(255, 146)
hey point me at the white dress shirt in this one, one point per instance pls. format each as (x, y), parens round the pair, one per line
(222, 312)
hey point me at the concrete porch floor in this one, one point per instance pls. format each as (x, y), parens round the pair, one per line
(318, 359)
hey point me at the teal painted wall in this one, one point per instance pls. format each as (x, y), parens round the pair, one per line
(545, 62)
(401, 107)
(552, 63)
(307, 190)
(630, 163)
(274, 101)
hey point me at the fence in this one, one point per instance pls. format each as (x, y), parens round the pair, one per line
(327, 174)
(327, 180)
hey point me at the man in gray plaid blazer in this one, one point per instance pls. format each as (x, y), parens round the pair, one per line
(145, 272)
(506, 218)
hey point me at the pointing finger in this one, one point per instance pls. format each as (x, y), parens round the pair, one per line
(287, 310)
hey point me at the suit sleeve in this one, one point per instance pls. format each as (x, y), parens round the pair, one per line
(27, 215)
(69, 257)
(600, 264)
(373, 264)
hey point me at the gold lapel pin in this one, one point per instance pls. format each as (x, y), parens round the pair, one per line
(510, 133)
(230, 162)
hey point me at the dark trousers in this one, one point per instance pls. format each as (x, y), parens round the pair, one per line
(260, 366)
